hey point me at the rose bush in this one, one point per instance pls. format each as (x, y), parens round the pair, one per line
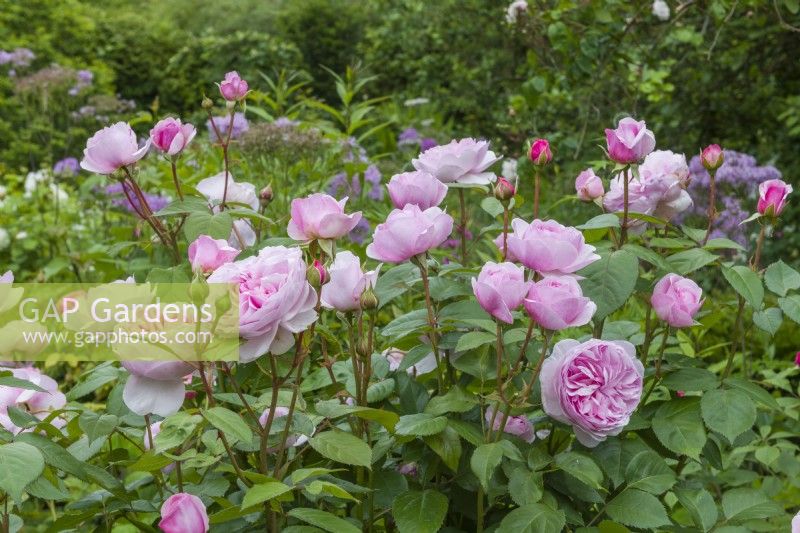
(547, 375)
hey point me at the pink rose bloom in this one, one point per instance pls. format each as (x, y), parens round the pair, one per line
(275, 299)
(797, 359)
(712, 157)
(39, 404)
(170, 136)
(658, 191)
(796, 523)
(213, 189)
(207, 254)
(540, 153)
(183, 513)
(557, 302)
(630, 142)
(500, 289)
(515, 425)
(676, 300)
(155, 387)
(233, 87)
(408, 232)
(463, 161)
(593, 386)
(112, 148)
(772, 196)
(548, 247)
(320, 216)
(419, 188)
(588, 186)
(347, 283)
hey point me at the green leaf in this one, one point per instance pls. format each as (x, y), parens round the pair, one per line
(406, 324)
(324, 520)
(454, 401)
(189, 204)
(700, 505)
(691, 379)
(11, 381)
(723, 244)
(639, 509)
(264, 492)
(228, 422)
(420, 425)
(769, 319)
(377, 392)
(606, 220)
(581, 467)
(335, 409)
(781, 278)
(216, 226)
(533, 518)
(525, 487)
(690, 260)
(679, 426)
(93, 380)
(150, 462)
(791, 306)
(647, 471)
(646, 254)
(755, 392)
(446, 445)
(492, 206)
(97, 425)
(746, 283)
(610, 281)
(473, 339)
(317, 487)
(343, 448)
(485, 459)
(20, 464)
(728, 412)
(419, 511)
(175, 430)
(741, 505)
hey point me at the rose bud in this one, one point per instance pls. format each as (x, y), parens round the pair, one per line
(504, 190)
(316, 274)
(630, 142)
(515, 425)
(265, 196)
(540, 152)
(676, 300)
(797, 358)
(369, 300)
(233, 87)
(588, 186)
(712, 157)
(183, 513)
(772, 197)
(170, 136)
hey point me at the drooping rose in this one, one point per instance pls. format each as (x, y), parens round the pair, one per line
(515, 425)
(320, 216)
(233, 87)
(548, 247)
(676, 300)
(275, 299)
(772, 195)
(207, 254)
(112, 148)
(183, 513)
(630, 142)
(347, 282)
(593, 386)
(38, 403)
(500, 289)
(409, 232)
(557, 302)
(462, 161)
(540, 153)
(589, 186)
(418, 188)
(155, 387)
(170, 136)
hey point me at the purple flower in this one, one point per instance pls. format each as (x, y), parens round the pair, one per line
(285, 122)
(360, 232)
(240, 125)
(343, 185)
(19, 57)
(119, 199)
(354, 151)
(426, 144)
(67, 167)
(373, 176)
(409, 136)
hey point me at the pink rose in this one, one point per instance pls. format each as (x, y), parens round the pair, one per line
(320, 216)
(183, 513)
(233, 88)
(207, 254)
(540, 153)
(796, 523)
(630, 142)
(797, 359)
(557, 302)
(500, 289)
(419, 188)
(548, 247)
(112, 148)
(347, 283)
(170, 136)
(676, 300)
(515, 425)
(155, 387)
(463, 161)
(275, 299)
(594, 386)
(408, 232)
(772, 196)
(712, 157)
(38, 403)
(588, 186)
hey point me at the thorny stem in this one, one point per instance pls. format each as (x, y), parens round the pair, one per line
(657, 376)
(225, 161)
(175, 178)
(755, 262)
(624, 230)
(505, 231)
(712, 205)
(423, 269)
(463, 228)
(536, 192)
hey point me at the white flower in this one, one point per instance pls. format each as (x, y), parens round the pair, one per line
(21, 236)
(32, 181)
(413, 102)
(661, 10)
(58, 192)
(510, 169)
(515, 9)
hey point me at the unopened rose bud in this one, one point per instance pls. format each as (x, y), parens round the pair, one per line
(265, 196)
(504, 190)
(199, 291)
(797, 359)
(207, 103)
(540, 153)
(773, 195)
(680, 393)
(712, 157)
(369, 300)
(316, 274)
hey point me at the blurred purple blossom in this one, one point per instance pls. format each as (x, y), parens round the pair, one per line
(360, 233)
(240, 125)
(19, 57)
(285, 122)
(354, 151)
(408, 136)
(67, 167)
(427, 143)
(373, 176)
(120, 199)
